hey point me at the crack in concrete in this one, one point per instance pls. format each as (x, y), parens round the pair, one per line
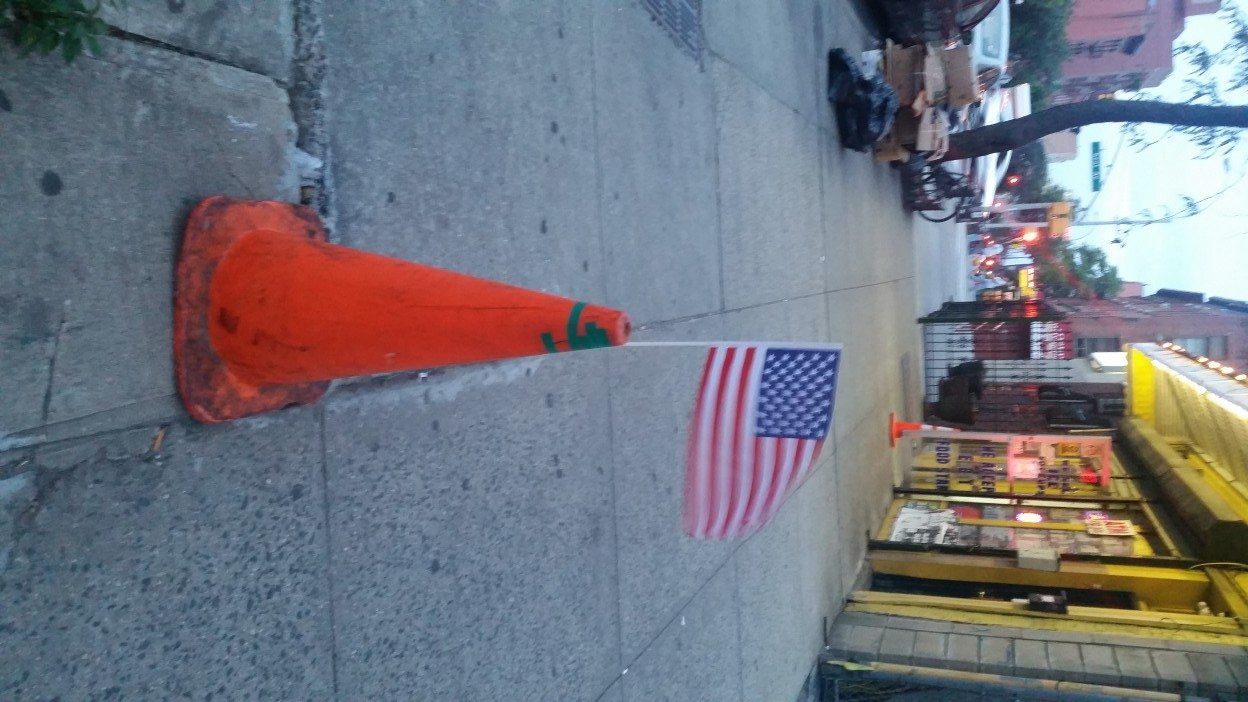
(330, 584)
(56, 349)
(119, 33)
(45, 475)
(307, 106)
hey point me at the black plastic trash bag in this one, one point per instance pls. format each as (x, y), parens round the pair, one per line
(865, 106)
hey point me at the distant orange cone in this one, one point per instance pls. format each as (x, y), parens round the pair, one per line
(896, 428)
(266, 313)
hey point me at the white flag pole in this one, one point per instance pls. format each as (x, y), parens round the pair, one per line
(703, 344)
(707, 344)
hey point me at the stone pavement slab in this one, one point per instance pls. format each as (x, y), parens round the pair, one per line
(776, 649)
(863, 491)
(473, 538)
(1031, 659)
(1100, 667)
(1065, 661)
(865, 319)
(655, 112)
(768, 194)
(864, 643)
(178, 574)
(1214, 675)
(847, 25)
(1174, 671)
(1239, 669)
(868, 239)
(698, 655)
(257, 35)
(963, 652)
(774, 44)
(820, 540)
(1136, 667)
(942, 270)
(660, 569)
(86, 260)
(802, 319)
(996, 655)
(897, 646)
(929, 649)
(476, 152)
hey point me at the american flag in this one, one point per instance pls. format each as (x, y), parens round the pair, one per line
(760, 418)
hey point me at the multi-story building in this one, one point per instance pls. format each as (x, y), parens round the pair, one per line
(1123, 44)
(1215, 328)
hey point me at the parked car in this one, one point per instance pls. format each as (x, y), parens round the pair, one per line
(990, 47)
(999, 105)
(940, 21)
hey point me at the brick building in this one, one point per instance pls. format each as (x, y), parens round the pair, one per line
(1024, 366)
(1123, 44)
(1216, 328)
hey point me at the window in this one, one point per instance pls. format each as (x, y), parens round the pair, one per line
(1132, 44)
(1088, 345)
(1217, 347)
(1211, 346)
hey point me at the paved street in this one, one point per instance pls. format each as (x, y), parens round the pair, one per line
(503, 531)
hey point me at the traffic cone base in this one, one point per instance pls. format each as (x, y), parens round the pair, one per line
(210, 391)
(896, 428)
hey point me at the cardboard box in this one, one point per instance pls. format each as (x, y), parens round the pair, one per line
(934, 76)
(933, 132)
(961, 85)
(905, 128)
(887, 149)
(903, 70)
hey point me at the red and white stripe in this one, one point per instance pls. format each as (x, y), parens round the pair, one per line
(735, 481)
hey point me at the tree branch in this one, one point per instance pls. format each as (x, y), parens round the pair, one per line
(1011, 134)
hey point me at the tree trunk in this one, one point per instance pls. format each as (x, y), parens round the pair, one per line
(1014, 133)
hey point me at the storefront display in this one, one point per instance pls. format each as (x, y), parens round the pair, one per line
(1066, 530)
(1010, 463)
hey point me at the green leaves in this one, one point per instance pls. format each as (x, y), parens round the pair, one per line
(1038, 45)
(47, 25)
(1077, 271)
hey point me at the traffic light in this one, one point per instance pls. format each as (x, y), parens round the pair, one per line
(1030, 235)
(1059, 218)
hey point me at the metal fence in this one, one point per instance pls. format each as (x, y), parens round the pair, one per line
(987, 364)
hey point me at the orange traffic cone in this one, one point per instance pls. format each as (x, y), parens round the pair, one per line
(896, 428)
(266, 313)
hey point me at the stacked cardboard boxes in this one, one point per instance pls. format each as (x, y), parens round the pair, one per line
(927, 79)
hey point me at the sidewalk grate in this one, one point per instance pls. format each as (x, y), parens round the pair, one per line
(682, 19)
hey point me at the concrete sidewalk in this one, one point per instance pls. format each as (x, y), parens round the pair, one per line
(507, 531)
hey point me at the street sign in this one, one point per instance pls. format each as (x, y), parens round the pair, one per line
(1096, 166)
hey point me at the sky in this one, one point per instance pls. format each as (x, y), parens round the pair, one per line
(1205, 253)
